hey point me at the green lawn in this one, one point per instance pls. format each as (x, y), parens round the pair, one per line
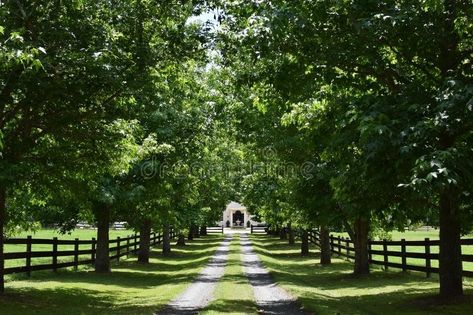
(132, 288)
(84, 234)
(334, 290)
(233, 294)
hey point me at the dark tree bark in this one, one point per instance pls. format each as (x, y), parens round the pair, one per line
(450, 264)
(361, 230)
(166, 240)
(325, 250)
(203, 230)
(450, 260)
(291, 233)
(304, 243)
(3, 216)
(190, 235)
(181, 240)
(145, 233)
(102, 257)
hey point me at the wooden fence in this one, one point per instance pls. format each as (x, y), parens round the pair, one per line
(395, 254)
(258, 229)
(79, 255)
(215, 229)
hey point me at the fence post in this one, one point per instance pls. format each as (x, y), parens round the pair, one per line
(385, 252)
(347, 243)
(427, 257)
(118, 248)
(251, 229)
(222, 229)
(55, 254)
(76, 254)
(128, 246)
(134, 242)
(403, 255)
(331, 243)
(92, 255)
(339, 241)
(28, 255)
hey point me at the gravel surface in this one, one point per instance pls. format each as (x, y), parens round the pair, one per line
(200, 293)
(270, 298)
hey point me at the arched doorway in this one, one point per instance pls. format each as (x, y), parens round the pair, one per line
(238, 218)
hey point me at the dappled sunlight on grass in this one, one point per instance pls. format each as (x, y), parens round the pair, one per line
(132, 288)
(334, 289)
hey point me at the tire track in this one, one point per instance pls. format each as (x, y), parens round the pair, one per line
(201, 292)
(270, 298)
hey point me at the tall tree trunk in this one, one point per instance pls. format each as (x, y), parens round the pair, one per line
(325, 250)
(181, 240)
(203, 230)
(102, 256)
(291, 234)
(3, 219)
(190, 235)
(145, 233)
(450, 260)
(304, 243)
(166, 240)
(361, 230)
(450, 264)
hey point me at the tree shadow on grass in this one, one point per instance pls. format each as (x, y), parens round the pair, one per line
(124, 279)
(405, 301)
(68, 301)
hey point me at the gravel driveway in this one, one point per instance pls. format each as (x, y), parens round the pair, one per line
(270, 298)
(200, 293)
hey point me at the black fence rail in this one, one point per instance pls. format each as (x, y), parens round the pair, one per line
(75, 253)
(395, 254)
(215, 229)
(256, 229)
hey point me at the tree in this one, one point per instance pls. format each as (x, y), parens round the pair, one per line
(49, 107)
(72, 76)
(399, 103)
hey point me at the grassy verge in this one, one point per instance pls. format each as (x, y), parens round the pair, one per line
(334, 290)
(131, 288)
(233, 294)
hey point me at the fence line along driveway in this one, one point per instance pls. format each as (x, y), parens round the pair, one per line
(384, 252)
(77, 256)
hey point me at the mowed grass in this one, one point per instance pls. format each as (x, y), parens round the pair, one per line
(233, 294)
(334, 290)
(432, 234)
(82, 234)
(131, 288)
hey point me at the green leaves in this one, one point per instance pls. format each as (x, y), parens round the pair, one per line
(342, 85)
